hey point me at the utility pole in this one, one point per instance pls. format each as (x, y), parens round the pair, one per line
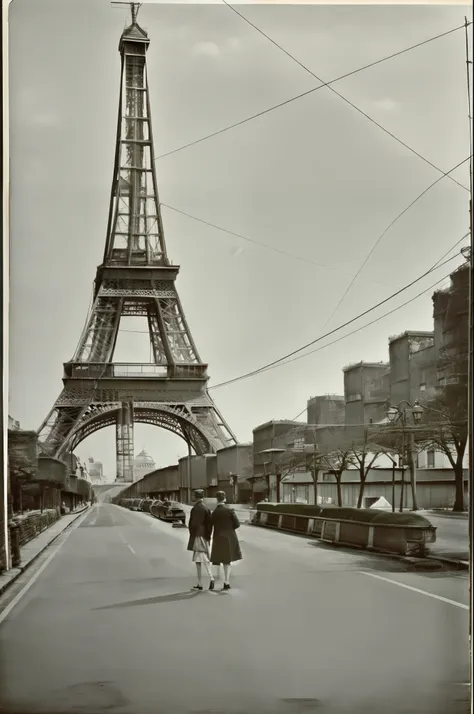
(471, 333)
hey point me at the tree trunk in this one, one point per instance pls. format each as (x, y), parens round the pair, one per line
(459, 501)
(339, 490)
(361, 492)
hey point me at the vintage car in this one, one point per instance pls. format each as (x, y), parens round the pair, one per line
(168, 511)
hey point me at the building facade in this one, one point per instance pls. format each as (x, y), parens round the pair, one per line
(143, 464)
(234, 472)
(96, 471)
(366, 392)
(326, 409)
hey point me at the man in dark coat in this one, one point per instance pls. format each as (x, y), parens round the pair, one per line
(200, 530)
(225, 544)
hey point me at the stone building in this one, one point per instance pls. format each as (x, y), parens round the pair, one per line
(326, 409)
(143, 464)
(366, 392)
(413, 370)
(234, 472)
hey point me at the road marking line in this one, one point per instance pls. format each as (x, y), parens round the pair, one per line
(4, 613)
(417, 590)
(129, 546)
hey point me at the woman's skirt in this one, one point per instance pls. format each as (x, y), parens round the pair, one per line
(200, 550)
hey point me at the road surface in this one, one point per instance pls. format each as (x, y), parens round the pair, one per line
(108, 624)
(452, 537)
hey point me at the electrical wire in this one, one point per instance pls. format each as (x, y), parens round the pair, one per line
(367, 324)
(433, 267)
(436, 265)
(256, 242)
(382, 235)
(331, 332)
(311, 91)
(341, 96)
(381, 317)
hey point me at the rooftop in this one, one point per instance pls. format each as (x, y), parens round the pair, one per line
(411, 333)
(365, 364)
(134, 33)
(327, 397)
(277, 421)
(144, 457)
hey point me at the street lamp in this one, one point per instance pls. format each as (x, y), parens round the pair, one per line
(399, 414)
(396, 413)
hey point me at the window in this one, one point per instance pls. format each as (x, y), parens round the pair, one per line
(430, 458)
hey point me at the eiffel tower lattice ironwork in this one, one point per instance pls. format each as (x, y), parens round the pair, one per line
(136, 278)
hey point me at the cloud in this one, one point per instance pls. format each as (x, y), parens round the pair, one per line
(206, 49)
(387, 105)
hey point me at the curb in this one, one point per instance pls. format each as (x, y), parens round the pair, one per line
(22, 568)
(459, 564)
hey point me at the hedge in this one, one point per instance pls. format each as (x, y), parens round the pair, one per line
(363, 515)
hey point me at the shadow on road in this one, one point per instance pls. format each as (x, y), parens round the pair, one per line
(390, 563)
(173, 597)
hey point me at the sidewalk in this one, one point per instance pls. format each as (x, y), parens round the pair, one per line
(31, 550)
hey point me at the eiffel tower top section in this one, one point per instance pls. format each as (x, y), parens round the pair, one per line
(135, 236)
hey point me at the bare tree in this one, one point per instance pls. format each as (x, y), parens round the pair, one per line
(445, 430)
(446, 415)
(364, 452)
(339, 461)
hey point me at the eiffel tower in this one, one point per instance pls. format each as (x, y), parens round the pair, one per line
(136, 278)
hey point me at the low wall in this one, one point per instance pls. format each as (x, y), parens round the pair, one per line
(32, 524)
(401, 533)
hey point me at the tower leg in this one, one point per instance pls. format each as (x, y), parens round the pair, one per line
(124, 445)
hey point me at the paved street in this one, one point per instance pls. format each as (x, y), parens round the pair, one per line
(452, 537)
(110, 624)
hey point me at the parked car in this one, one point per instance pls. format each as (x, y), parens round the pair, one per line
(170, 511)
(147, 504)
(136, 504)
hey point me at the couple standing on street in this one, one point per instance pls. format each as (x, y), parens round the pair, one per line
(221, 525)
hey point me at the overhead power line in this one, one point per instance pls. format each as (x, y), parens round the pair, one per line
(315, 89)
(253, 241)
(331, 332)
(363, 327)
(341, 96)
(368, 324)
(382, 235)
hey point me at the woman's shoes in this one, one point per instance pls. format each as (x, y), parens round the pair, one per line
(226, 586)
(197, 587)
(211, 585)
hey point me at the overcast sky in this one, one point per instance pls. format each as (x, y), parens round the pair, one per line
(314, 178)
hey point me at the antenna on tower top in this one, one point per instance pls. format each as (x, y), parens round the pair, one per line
(134, 8)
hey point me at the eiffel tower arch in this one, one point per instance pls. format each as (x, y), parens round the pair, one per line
(135, 279)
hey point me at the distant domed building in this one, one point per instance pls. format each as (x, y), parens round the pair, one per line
(142, 464)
